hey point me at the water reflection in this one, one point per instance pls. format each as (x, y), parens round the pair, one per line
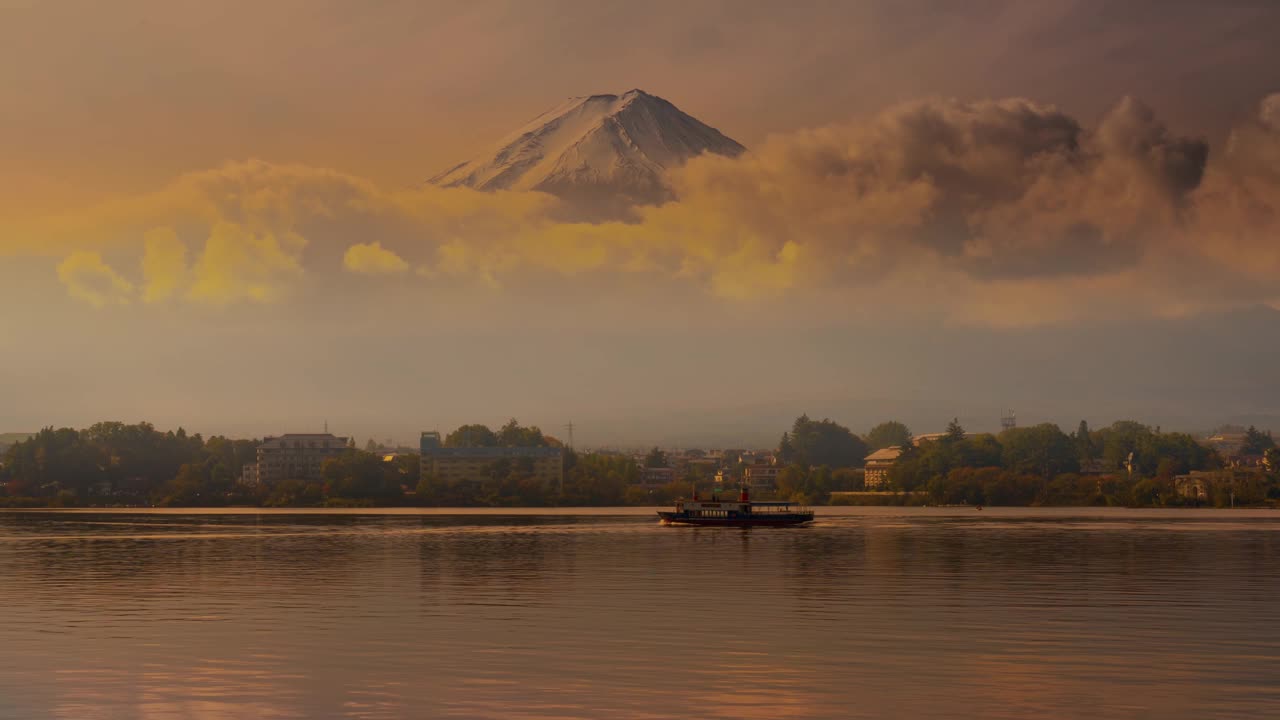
(866, 614)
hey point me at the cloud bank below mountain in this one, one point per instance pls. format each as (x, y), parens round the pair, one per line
(995, 213)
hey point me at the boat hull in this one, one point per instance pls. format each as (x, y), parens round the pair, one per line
(772, 520)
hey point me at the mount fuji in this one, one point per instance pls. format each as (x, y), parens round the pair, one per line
(601, 154)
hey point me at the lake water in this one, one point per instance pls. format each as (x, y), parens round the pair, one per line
(878, 612)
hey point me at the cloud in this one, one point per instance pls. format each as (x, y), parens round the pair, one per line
(1238, 207)
(164, 264)
(1004, 212)
(251, 227)
(994, 189)
(239, 263)
(90, 279)
(373, 259)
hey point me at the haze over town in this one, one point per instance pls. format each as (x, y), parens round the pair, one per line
(941, 211)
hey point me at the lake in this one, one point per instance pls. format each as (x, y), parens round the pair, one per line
(602, 613)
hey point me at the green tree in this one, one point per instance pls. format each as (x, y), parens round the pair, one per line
(823, 442)
(793, 482)
(786, 451)
(361, 475)
(977, 451)
(888, 434)
(1256, 442)
(295, 493)
(1041, 449)
(1084, 443)
(1169, 454)
(475, 435)
(106, 457)
(514, 435)
(656, 458)
(845, 479)
(195, 485)
(955, 432)
(1120, 439)
(231, 455)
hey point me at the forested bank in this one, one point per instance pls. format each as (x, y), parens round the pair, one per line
(1123, 464)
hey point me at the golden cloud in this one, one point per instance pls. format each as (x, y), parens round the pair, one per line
(164, 264)
(373, 259)
(89, 278)
(1002, 212)
(239, 263)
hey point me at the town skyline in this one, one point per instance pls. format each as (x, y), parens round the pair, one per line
(814, 461)
(564, 436)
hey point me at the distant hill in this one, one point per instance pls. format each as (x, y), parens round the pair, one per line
(601, 153)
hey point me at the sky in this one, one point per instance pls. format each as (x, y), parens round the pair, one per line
(212, 215)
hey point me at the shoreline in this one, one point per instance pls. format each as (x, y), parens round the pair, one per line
(641, 511)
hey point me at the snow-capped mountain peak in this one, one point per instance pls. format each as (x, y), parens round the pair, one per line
(601, 152)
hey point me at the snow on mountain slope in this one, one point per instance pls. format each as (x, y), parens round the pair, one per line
(601, 153)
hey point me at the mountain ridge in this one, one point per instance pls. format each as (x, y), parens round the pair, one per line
(601, 153)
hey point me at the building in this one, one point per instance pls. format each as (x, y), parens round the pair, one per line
(878, 465)
(1227, 441)
(473, 464)
(1198, 485)
(932, 437)
(701, 466)
(296, 456)
(657, 476)
(1246, 462)
(761, 477)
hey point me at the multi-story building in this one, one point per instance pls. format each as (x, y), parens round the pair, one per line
(295, 456)
(656, 477)
(878, 465)
(761, 477)
(473, 464)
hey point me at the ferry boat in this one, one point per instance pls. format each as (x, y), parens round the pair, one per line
(740, 513)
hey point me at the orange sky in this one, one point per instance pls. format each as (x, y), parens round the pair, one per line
(108, 97)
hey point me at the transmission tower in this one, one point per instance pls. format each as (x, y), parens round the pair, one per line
(569, 427)
(1008, 420)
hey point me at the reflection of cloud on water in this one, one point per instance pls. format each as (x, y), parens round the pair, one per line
(221, 690)
(767, 688)
(1033, 682)
(499, 618)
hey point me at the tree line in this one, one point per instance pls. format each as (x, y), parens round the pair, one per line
(1126, 463)
(114, 463)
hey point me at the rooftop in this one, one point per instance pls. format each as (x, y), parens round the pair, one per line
(889, 453)
(491, 452)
